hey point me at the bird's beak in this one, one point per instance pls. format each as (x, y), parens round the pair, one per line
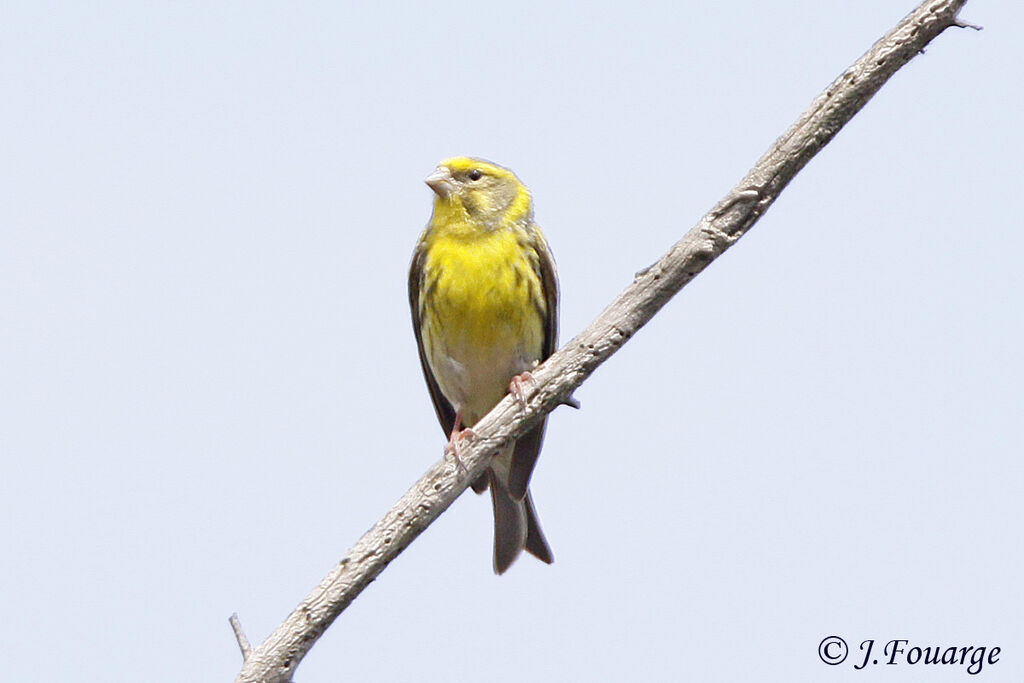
(441, 182)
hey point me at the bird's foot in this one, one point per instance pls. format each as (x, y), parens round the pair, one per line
(455, 443)
(517, 387)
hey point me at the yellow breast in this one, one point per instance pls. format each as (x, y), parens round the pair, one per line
(483, 316)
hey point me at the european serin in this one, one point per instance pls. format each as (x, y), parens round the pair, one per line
(485, 310)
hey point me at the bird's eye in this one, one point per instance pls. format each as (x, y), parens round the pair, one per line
(476, 174)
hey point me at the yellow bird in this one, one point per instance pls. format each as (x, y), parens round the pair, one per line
(484, 300)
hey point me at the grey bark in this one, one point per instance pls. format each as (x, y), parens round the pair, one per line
(275, 659)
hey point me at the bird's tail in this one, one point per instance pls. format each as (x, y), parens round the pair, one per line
(516, 527)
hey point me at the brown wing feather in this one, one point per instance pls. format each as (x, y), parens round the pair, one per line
(445, 411)
(524, 457)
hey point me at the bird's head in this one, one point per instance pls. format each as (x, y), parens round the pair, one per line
(482, 192)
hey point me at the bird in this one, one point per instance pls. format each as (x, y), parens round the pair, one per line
(484, 297)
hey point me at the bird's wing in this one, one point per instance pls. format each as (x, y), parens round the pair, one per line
(445, 411)
(528, 446)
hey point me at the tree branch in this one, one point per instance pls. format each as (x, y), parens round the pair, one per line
(275, 660)
(243, 642)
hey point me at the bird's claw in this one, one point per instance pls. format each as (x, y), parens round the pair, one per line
(455, 445)
(517, 387)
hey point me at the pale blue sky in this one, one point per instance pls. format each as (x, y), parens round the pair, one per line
(210, 383)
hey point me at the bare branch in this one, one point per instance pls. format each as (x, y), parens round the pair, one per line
(960, 23)
(275, 660)
(243, 642)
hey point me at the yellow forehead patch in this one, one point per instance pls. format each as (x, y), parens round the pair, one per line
(461, 164)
